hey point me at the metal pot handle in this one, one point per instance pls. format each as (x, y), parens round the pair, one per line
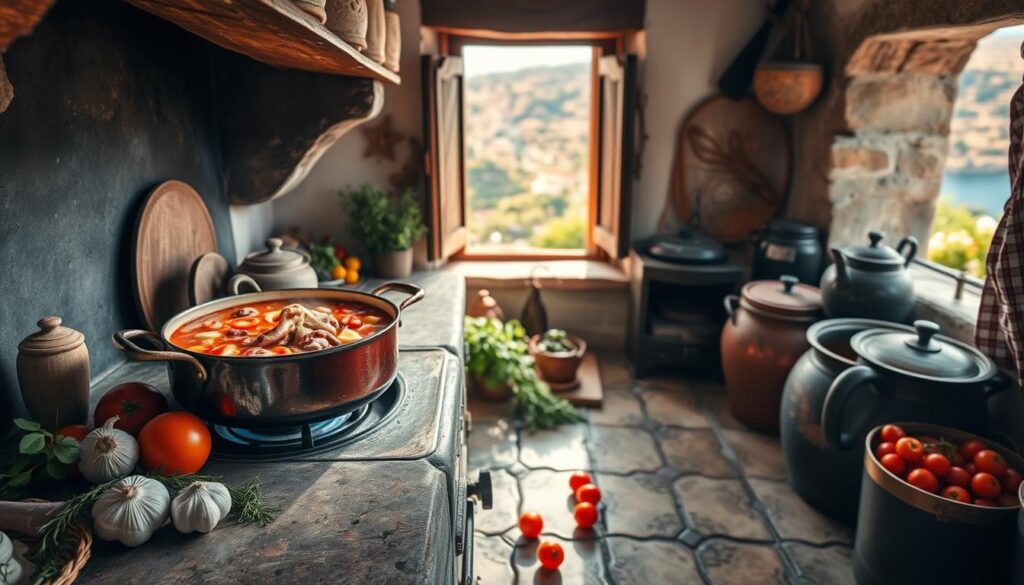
(415, 294)
(123, 341)
(908, 242)
(997, 383)
(843, 387)
(731, 302)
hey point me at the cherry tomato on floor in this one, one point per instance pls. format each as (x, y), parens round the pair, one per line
(588, 493)
(958, 476)
(923, 479)
(550, 555)
(937, 464)
(884, 448)
(893, 433)
(910, 449)
(579, 478)
(1011, 481)
(990, 462)
(531, 524)
(894, 463)
(970, 448)
(985, 485)
(585, 514)
(957, 493)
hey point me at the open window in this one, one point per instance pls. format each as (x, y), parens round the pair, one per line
(529, 148)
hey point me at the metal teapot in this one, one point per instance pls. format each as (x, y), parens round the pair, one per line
(870, 282)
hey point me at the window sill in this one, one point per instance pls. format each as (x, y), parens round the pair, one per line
(552, 274)
(936, 302)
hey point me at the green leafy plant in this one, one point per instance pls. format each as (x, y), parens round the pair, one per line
(383, 223)
(556, 341)
(961, 237)
(322, 258)
(497, 353)
(41, 454)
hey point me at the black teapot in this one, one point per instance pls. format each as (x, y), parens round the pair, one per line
(870, 282)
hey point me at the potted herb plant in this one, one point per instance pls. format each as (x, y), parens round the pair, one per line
(558, 355)
(499, 366)
(387, 227)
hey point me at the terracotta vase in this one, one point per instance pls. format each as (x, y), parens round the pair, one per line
(394, 264)
(489, 393)
(376, 30)
(764, 336)
(484, 305)
(314, 7)
(53, 372)
(558, 368)
(393, 38)
(349, 20)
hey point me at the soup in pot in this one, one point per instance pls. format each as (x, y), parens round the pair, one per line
(273, 328)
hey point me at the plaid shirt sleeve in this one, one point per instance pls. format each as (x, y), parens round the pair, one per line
(1001, 316)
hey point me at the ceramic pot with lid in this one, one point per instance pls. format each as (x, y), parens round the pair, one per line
(788, 247)
(765, 334)
(826, 478)
(53, 373)
(687, 246)
(870, 282)
(919, 376)
(275, 268)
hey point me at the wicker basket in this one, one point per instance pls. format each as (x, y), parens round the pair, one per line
(75, 551)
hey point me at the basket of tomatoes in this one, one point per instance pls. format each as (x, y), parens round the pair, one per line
(937, 505)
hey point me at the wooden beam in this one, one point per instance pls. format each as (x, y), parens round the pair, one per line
(19, 17)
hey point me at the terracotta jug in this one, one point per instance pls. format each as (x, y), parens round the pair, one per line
(764, 336)
(53, 372)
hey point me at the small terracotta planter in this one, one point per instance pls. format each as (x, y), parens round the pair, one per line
(489, 393)
(560, 367)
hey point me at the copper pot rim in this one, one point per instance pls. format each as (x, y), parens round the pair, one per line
(942, 508)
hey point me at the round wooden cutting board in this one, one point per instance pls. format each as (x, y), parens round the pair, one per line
(735, 156)
(174, 228)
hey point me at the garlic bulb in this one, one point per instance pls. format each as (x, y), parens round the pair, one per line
(200, 507)
(10, 568)
(130, 510)
(107, 453)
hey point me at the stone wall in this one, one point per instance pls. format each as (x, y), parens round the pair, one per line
(870, 152)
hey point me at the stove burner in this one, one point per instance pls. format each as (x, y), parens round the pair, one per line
(238, 443)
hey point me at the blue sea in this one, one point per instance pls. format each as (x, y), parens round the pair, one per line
(985, 191)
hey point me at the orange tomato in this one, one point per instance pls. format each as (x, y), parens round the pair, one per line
(588, 493)
(585, 514)
(531, 524)
(579, 478)
(174, 443)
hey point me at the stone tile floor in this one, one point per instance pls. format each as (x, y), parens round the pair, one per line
(689, 495)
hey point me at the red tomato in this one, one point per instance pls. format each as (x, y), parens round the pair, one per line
(957, 493)
(910, 449)
(986, 503)
(1011, 481)
(990, 462)
(923, 479)
(175, 443)
(585, 514)
(1007, 501)
(985, 485)
(958, 476)
(588, 493)
(579, 478)
(550, 555)
(970, 468)
(894, 463)
(531, 524)
(970, 448)
(134, 403)
(892, 433)
(340, 252)
(958, 459)
(76, 432)
(937, 464)
(884, 448)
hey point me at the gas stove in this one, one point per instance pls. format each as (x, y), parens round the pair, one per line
(380, 495)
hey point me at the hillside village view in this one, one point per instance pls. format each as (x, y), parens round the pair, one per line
(527, 143)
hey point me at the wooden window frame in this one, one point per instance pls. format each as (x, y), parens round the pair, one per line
(452, 42)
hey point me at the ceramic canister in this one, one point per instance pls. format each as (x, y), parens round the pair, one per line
(53, 372)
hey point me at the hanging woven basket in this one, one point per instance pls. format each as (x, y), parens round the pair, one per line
(789, 86)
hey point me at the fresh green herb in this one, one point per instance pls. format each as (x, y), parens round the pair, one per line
(382, 223)
(322, 258)
(247, 502)
(40, 454)
(497, 353)
(556, 341)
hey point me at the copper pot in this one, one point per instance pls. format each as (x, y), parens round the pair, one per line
(257, 392)
(765, 334)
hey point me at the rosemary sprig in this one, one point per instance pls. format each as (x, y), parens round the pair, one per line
(247, 502)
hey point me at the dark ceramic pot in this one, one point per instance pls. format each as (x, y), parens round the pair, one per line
(826, 478)
(908, 536)
(766, 334)
(870, 282)
(1018, 552)
(788, 247)
(917, 376)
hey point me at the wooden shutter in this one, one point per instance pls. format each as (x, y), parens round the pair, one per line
(442, 119)
(615, 153)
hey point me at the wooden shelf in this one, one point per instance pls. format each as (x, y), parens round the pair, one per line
(274, 32)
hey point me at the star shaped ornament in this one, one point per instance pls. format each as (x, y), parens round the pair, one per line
(381, 140)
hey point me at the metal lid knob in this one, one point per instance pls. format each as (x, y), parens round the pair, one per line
(788, 282)
(876, 237)
(925, 331)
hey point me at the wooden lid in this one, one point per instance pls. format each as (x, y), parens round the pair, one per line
(51, 338)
